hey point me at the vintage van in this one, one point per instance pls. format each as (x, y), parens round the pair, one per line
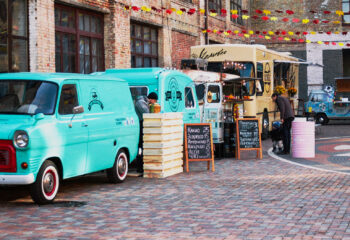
(57, 126)
(176, 91)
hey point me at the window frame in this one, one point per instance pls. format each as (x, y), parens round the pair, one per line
(345, 13)
(9, 36)
(236, 5)
(75, 31)
(133, 40)
(215, 5)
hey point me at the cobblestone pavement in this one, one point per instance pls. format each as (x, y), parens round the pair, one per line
(243, 199)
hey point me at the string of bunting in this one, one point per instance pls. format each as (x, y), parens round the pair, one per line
(259, 14)
(276, 36)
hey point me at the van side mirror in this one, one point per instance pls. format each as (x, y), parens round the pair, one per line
(78, 109)
(39, 116)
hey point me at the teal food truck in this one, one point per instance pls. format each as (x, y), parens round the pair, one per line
(176, 91)
(58, 126)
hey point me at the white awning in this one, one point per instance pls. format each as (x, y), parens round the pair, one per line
(295, 62)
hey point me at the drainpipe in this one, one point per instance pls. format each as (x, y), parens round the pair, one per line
(206, 36)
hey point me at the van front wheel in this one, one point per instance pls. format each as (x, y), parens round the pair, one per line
(45, 188)
(118, 172)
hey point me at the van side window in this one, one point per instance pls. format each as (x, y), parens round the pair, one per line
(213, 95)
(138, 91)
(189, 99)
(68, 99)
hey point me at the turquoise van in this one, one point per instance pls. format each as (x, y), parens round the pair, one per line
(57, 126)
(176, 91)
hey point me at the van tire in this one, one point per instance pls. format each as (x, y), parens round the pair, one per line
(45, 188)
(322, 118)
(119, 171)
(265, 125)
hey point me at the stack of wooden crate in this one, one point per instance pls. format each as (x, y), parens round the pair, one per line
(162, 144)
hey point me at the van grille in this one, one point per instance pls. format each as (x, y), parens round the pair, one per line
(7, 156)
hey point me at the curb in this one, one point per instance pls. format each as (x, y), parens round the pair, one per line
(271, 154)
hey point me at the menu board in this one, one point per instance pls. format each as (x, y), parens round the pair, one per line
(249, 133)
(198, 143)
(248, 136)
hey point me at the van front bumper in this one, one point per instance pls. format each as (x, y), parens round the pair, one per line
(17, 179)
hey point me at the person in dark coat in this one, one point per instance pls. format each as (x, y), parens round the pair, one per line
(287, 117)
(142, 106)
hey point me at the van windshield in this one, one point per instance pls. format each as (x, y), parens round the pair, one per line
(27, 97)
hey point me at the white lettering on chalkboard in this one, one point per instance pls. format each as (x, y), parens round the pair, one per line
(198, 142)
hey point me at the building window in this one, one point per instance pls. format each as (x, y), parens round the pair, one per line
(144, 46)
(215, 5)
(346, 10)
(13, 35)
(79, 40)
(237, 5)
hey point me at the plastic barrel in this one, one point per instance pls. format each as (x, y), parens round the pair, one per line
(303, 139)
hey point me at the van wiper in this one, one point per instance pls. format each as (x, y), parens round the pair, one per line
(15, 113)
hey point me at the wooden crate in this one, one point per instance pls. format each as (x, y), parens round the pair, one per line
(162, 144)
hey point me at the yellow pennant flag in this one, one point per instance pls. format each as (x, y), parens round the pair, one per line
(341, 44)
(336, 22)
(271, 33)
(308, 41)
(236, 31)
(204, 31)
(266, 12)
(251, 32)
(274, 18)
(287, 39)
(245, 17)
(313, 33)
(336, 32)
(319, 42)
(215, 31)
(202, 11)
(179, 12)
(234, 11)
(267, 37)
(305, 21)
(340, 13)
(246, 35)
(291, 33)
(226, 33)
(213, 14)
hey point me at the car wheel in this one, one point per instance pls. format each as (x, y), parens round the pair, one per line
(322, 118)
(45, 188)
(119, 171)
(265, 125)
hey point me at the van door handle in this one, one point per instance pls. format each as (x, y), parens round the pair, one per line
(84, 124)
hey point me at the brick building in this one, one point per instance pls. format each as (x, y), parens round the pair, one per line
(327, 61)
(92, 35)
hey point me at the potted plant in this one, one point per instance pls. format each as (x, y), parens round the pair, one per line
(280, 89)
(292, 91)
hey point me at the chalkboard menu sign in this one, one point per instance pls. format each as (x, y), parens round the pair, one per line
(248, 135)
(199, 143)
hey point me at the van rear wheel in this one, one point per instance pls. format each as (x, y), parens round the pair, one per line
(45, 188)
(119, 171)
(265, 125)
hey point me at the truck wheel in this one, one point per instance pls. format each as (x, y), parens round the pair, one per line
(45, 188)
(118, 172)
(265, 125)
(322, 118)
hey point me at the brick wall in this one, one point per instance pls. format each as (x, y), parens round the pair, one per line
(181, 47)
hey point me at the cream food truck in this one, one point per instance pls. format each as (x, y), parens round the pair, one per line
(264, 67)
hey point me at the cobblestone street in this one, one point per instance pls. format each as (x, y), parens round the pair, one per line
(243, 199)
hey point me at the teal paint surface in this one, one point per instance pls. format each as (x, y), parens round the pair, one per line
(176, 91)
(108, 124)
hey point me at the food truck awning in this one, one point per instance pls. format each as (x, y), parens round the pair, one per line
(296, 62)
(241, 79)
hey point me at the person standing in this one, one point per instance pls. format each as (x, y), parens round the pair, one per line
(287, 117)
(142, 106)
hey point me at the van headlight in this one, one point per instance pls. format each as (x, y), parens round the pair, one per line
(20, 139)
